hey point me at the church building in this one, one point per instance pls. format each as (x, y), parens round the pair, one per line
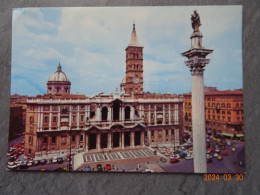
(59, 122)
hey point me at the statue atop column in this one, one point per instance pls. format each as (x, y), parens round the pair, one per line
(195, 21)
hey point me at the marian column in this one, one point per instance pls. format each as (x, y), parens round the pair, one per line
(197, 62)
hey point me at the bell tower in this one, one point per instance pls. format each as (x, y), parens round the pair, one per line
(134, 66)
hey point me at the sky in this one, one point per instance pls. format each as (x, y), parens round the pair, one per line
(90, 44)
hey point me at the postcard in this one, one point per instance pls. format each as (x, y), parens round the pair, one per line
(127, 89)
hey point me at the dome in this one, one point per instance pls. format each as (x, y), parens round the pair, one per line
(59, 76)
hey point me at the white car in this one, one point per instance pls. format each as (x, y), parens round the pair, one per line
(55, 160)
(217, 150)
(148, 171)
(215, 155)
(209, 156)
(189, 157)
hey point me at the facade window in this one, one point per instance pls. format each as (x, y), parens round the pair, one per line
(229, 113)
(219, 118)
(237, 105)
(166, 131)
(31, 119)
(229, 120)
(241, 105)
(213, 105)
(152, 133)
(54, 119)
(166, 115)
(81, 138)
(223, 118)
(74, 119)
(46, 119)
(53, 139)
(218, 106)
(29, 151)
(81, 118)
(30, 140)
(145, 116)
(228, 105)
(209, 117)
(152, 115)
(223, 105)
(223, 112)
(45, 139)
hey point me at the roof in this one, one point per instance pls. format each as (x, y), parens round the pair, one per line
(59, 76)
(225, 92)
(134, 39)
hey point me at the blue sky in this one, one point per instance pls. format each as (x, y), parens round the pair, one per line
(90, 45)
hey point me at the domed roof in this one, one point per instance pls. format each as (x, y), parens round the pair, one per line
(59, 76)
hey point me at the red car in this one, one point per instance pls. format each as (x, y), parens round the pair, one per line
(224, 152)
(174, 160)
(210, 149)
(108, 167)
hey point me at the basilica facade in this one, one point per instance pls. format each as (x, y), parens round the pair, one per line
(59, 123)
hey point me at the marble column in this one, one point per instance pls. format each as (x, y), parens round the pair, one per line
(132, 139)
(98, 142)
(109, 141)
(86, 143)
(142, 138)
(196, 63)
(123, 140)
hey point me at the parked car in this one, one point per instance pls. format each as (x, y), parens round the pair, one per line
(229, 143)
(87, 168)
(217, 150)
(148, 171)
(36, 163)
(49, 161)
(23, 165)
(108, 167)
(55, 160)
(209, 156)
(60, 160)
(220, 157)
(174, 160)
(43, 161)
(163, 159)
(99, 168)
(210, 149)
(215, 155)
(233, 149)
(224, 152)
(189, 157)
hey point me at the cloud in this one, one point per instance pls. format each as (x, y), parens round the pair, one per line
(90, 44)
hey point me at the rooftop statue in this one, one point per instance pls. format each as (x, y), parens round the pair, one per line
(195, 21)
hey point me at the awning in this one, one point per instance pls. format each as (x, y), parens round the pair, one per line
(228, 134)
(240, 135)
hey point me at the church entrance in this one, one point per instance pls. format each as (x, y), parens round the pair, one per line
(137, 138)
(116, 136)
(92, 141)
(103, 140)
(127, 138)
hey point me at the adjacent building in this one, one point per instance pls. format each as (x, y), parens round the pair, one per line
(59, 123)
(223, 112)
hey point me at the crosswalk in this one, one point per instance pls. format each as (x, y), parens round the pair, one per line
(118, 155)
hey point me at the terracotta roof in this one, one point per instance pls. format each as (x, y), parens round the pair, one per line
(225, 92)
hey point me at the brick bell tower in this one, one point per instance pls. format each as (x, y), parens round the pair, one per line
(134, 66)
